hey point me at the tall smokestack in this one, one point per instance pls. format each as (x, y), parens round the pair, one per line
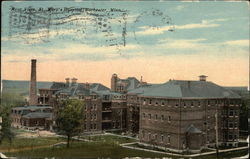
(33, 95)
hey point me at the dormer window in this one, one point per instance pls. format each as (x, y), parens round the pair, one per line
(192, 103)
(162, 103)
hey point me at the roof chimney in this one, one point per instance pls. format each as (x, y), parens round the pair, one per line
(73, 81)
(87, 85)
(67, 81)
(203, 77)
(33, 95)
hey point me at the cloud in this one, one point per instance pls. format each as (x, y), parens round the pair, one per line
(203, 24)
(160, 30)
(152, 31)
(182, 43)
(72, 51)
(237, 42)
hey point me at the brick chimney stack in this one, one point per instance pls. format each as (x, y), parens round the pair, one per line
(33, 94)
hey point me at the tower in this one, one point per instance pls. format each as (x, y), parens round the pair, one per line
(113, 82)
(33, 94)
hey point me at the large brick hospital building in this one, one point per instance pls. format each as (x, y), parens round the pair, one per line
(176, 115)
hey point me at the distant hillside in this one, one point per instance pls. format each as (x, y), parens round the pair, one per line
(21, 87)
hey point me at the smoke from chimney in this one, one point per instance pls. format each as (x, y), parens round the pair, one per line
(33, 95)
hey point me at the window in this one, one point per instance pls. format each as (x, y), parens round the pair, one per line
(184, 104)
(144, 101)
(199, 104)
(156, 103)
(208, 102)
(143, 115)
(235, 137)
(230, 137)
(236, 112)
(149, 136)
(169, 119)
(162, 103)
(156, 137)
(156, 116)
(231, 112)
(162, 117)
(150, 101)
(162, 138)
(192, 104)
(106, 97)
(230, 124)
(168, 139)
(176, 104)
(235, 125)
(149, 115)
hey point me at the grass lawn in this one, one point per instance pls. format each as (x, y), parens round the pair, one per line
(111, 139)
(105, 146)
(30, 142)
(86, 150)
(96, 149)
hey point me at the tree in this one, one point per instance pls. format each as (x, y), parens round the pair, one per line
(6, 132)
(8, 101)
(69, 119)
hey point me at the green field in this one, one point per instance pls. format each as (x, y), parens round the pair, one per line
(19, 143)
(101, 146)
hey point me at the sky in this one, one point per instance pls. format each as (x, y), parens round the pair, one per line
(156, 40)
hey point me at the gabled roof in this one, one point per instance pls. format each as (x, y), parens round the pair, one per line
(132, 83)
(58, 85)
(73, 90)
(141, 89)
(189, 89)
(98, 87)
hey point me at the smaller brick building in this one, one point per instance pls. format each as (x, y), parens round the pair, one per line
(31, 116)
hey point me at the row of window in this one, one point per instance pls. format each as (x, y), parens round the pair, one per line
(230, 124)
(119, 97)
(91, 116)
(156, 137)
(92, 126)
(92, 107)
(188, 103)
(156, 117)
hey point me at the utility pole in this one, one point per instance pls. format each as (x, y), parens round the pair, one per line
(121, 117)
(216, 133)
